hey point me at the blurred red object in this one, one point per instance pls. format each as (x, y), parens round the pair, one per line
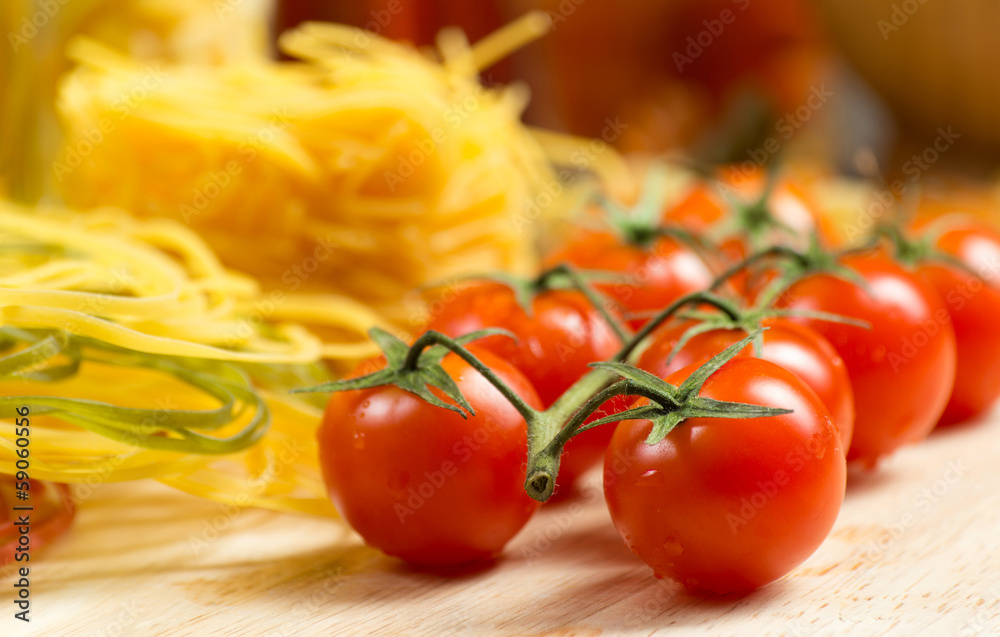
(414, 21)
(667, 70)
(51, 514)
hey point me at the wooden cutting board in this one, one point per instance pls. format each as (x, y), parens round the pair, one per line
(916, 550)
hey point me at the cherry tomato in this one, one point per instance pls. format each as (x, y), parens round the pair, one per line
(741, 229)
(788, 201)
(705, 207)
(422, 483)
(792, 206)
(797, 348)
(902, 369)
(974, 305)
(726, 505)
(553, 348)
(654, 276)
(54, 510)
(699, 210)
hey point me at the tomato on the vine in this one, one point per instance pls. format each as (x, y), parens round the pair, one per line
(654, 275)
(902, 368)
(699, 210)
(726, 504)
(973, 302)
(795, 347)
(422, 483)
(737, 200)
(553, 349)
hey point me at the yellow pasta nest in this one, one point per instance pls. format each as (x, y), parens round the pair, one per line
(141, 356)
(368, 169)
(35, 33)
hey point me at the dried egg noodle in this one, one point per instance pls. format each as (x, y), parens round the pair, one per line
(122, 336)
(367, 170)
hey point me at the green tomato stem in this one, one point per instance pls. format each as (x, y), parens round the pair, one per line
(431, 338)
(696, 297)
(669, 406)
(596, 299)
(545, 453)
(774, 251)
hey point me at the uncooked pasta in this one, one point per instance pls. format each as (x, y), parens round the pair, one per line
(367, 169)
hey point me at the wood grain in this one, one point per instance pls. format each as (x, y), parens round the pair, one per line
(914, 552)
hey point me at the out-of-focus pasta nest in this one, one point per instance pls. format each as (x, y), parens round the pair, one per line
(367, 169)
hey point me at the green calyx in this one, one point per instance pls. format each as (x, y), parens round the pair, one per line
(755, 219)
(418, 369)
(672, 405)
(747, 319)
(640, 225)
(906, 250)
(913, 252)
(794, 265)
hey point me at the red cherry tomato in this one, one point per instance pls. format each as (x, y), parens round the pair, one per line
(553, 348)
(654, 276)
(699, 210)
(705, 207)
(974, 305)
(706, 211)
(797, 348)
(902, 369)
(422, 483)
(789, 202)
(53, 513)
(727, 505)
(792, 206)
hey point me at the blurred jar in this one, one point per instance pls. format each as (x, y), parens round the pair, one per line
(933, 62)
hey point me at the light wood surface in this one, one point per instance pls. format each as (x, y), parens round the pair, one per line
(916, 550)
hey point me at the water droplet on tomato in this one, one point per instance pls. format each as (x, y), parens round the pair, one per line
(673, 547)
(650, 478)
(359, 440)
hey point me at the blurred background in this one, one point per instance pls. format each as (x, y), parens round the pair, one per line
(833, 89)
(718, 77)
(713, 77)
